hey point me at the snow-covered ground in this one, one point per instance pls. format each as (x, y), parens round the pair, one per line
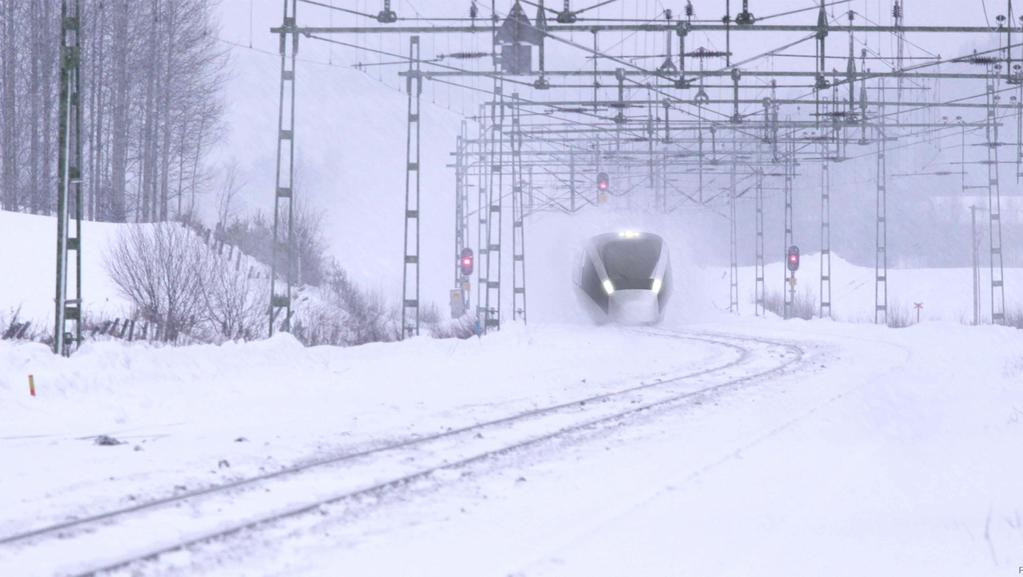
(880, 452)
(871, 451)
(184, 408)
(906, 464)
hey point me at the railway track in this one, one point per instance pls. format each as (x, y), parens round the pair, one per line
(149, 530)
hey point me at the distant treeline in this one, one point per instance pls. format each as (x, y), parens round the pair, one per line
(151, 74)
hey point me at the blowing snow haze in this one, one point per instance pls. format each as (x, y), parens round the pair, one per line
(514, 288)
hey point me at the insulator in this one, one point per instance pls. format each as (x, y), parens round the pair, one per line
(466, 55)
(689, 9)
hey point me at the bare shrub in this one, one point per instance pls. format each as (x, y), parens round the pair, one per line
(804, 305)
(460, 328)
(1014, 318)
(429, 315)
(13, 328)
(234, 304)
(229, 189)
(310, 248)
(899, 316)
(345, 315)
(439, 326)
(254, 236)
(161, 269)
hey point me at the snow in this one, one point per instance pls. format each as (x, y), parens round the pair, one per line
(882, 452)
(28, 269)
(350, 169)
(350, 153)
(946, 293)
(184, 407)
(903, 465)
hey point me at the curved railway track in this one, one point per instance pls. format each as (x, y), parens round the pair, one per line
(149, 530)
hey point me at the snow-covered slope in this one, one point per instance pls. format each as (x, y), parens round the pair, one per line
(28, 269)
(701, 284)
(350, 153)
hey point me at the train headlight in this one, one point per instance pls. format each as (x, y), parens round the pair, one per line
(656, 286)
(608, 287)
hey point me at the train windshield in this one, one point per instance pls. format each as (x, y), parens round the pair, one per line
(630, 263)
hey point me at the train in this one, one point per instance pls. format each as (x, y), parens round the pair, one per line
(625, 278)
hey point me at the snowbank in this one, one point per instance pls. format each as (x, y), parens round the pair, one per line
(888, 451)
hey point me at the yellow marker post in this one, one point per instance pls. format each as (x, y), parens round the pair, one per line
(31, 385)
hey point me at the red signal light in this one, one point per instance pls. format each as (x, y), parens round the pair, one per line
(603, 182)
(465, 262)
(793, 260)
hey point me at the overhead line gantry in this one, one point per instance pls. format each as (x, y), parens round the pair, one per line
(667, 129)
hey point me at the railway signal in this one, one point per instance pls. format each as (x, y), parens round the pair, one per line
(697, 150)
(465, 262)
(793, 259)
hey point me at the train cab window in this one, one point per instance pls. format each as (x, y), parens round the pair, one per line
(630, 263)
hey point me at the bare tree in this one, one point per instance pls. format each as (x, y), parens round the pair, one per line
(10, 134)
(152, 75)
(344, 315)
(229, 188)
(235, 303)
(161, 269)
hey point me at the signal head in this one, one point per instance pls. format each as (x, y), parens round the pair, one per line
(466, 262)
(793, 258)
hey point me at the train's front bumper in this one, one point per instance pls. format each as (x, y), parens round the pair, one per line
(634, 307)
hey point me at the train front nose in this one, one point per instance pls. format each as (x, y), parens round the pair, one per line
(634, 307)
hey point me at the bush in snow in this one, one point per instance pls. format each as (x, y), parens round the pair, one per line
(899, 316)
(460, 328)
(345, 315)
(436, 324)
(13, 328)
(1014, 318)
(186, 289)
(161, 269)
(234, 303)
(254, 236)
(804, 306)
(182, 286)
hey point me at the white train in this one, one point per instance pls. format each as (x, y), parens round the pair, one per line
(625, 277)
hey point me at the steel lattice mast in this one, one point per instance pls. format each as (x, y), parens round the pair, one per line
(410, 277)
(666, 124)
(283, 260)
(68, 313)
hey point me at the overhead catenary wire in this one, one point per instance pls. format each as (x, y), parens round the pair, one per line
(670, 107)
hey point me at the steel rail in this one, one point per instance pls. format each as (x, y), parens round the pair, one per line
(745, 356)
